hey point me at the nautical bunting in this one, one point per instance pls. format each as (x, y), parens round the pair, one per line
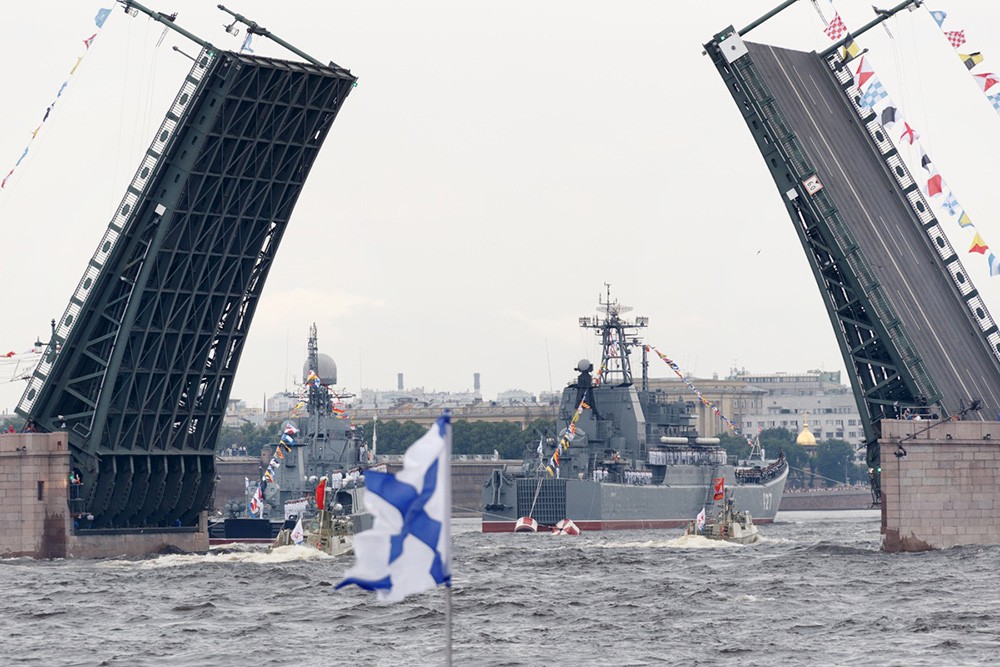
(862, 74)
(934, 184)
(99, 19)
(971, 59)
(836, 29)
(704, 401)
(564, 441)
(956, 37)
(986, 81)
(909, 135)
(978, 245)
(850, 49)
(871, 95)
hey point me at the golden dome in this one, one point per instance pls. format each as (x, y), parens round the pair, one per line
(806, 438)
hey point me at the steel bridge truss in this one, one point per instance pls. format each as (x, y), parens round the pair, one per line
(141, 364)
(888, 375)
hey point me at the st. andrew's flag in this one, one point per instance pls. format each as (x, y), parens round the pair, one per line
(408, 549)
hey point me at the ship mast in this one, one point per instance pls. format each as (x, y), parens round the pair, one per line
(618, 336)
(319, 394)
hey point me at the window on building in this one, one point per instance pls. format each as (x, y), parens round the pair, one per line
(41, 490)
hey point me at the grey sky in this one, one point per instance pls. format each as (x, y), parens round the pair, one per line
(497, 164)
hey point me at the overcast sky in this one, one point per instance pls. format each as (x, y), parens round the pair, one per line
(496, 165)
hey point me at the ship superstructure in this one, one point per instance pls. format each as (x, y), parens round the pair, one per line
(625, 456)
(326, 443)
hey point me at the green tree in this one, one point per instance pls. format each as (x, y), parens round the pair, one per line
(835, 461)
(394, 436)
(798, 461)
(254, 438)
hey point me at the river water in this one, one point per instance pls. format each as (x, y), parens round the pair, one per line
(816, 591)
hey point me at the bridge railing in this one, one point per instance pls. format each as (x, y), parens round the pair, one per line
(920, 206)
(123, 216)
(795, 157)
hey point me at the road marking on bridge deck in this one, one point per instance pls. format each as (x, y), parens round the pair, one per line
(871, 222)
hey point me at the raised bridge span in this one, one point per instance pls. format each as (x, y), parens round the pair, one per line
(140, 365)
(913, 330)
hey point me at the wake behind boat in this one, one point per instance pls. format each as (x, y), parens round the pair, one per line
(625, 456)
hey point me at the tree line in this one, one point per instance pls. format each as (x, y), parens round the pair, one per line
(468, 437)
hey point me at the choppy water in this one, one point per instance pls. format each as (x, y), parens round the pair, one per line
(817, 591)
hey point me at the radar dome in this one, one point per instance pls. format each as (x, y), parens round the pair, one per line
(327, 370)
(584, 366)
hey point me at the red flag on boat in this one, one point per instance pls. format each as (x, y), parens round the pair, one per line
(720, 484)
(320, 493)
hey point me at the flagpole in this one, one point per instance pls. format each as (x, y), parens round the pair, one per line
(447, 518)
(447, 625)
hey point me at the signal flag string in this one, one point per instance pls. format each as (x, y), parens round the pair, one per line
(102, 16)
(872, 95)
(704, 401)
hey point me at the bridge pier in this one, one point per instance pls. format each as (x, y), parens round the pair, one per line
(940, 484)
(37, 516)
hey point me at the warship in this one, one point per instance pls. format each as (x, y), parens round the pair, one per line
(320, 445)
(625, 457)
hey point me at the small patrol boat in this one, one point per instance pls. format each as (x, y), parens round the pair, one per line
(333, 535)
(730, 525)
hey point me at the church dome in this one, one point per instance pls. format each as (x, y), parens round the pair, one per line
(327, 370)
(806, 438)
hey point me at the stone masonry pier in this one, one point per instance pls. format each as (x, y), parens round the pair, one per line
(945, 490)
(37, 519)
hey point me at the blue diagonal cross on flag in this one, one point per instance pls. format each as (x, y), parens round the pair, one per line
(408, 549)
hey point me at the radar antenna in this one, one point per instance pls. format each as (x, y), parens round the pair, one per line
(618, 336)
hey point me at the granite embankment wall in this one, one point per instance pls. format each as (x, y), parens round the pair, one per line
(826, 499)
(945, 490)
(36, 520)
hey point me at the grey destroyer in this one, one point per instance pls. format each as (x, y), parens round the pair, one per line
(624, 456)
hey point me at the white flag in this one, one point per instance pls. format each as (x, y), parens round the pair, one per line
(298, 535)
(408, 549)
(699, 521)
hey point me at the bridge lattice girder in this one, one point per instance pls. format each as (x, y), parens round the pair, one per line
(142, 362)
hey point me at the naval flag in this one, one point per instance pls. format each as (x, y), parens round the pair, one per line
(298, 533)
(408, 549)
(699, 521)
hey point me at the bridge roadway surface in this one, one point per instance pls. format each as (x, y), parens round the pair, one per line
(932, 313)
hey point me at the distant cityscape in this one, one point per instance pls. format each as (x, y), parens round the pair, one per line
(754, 401)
